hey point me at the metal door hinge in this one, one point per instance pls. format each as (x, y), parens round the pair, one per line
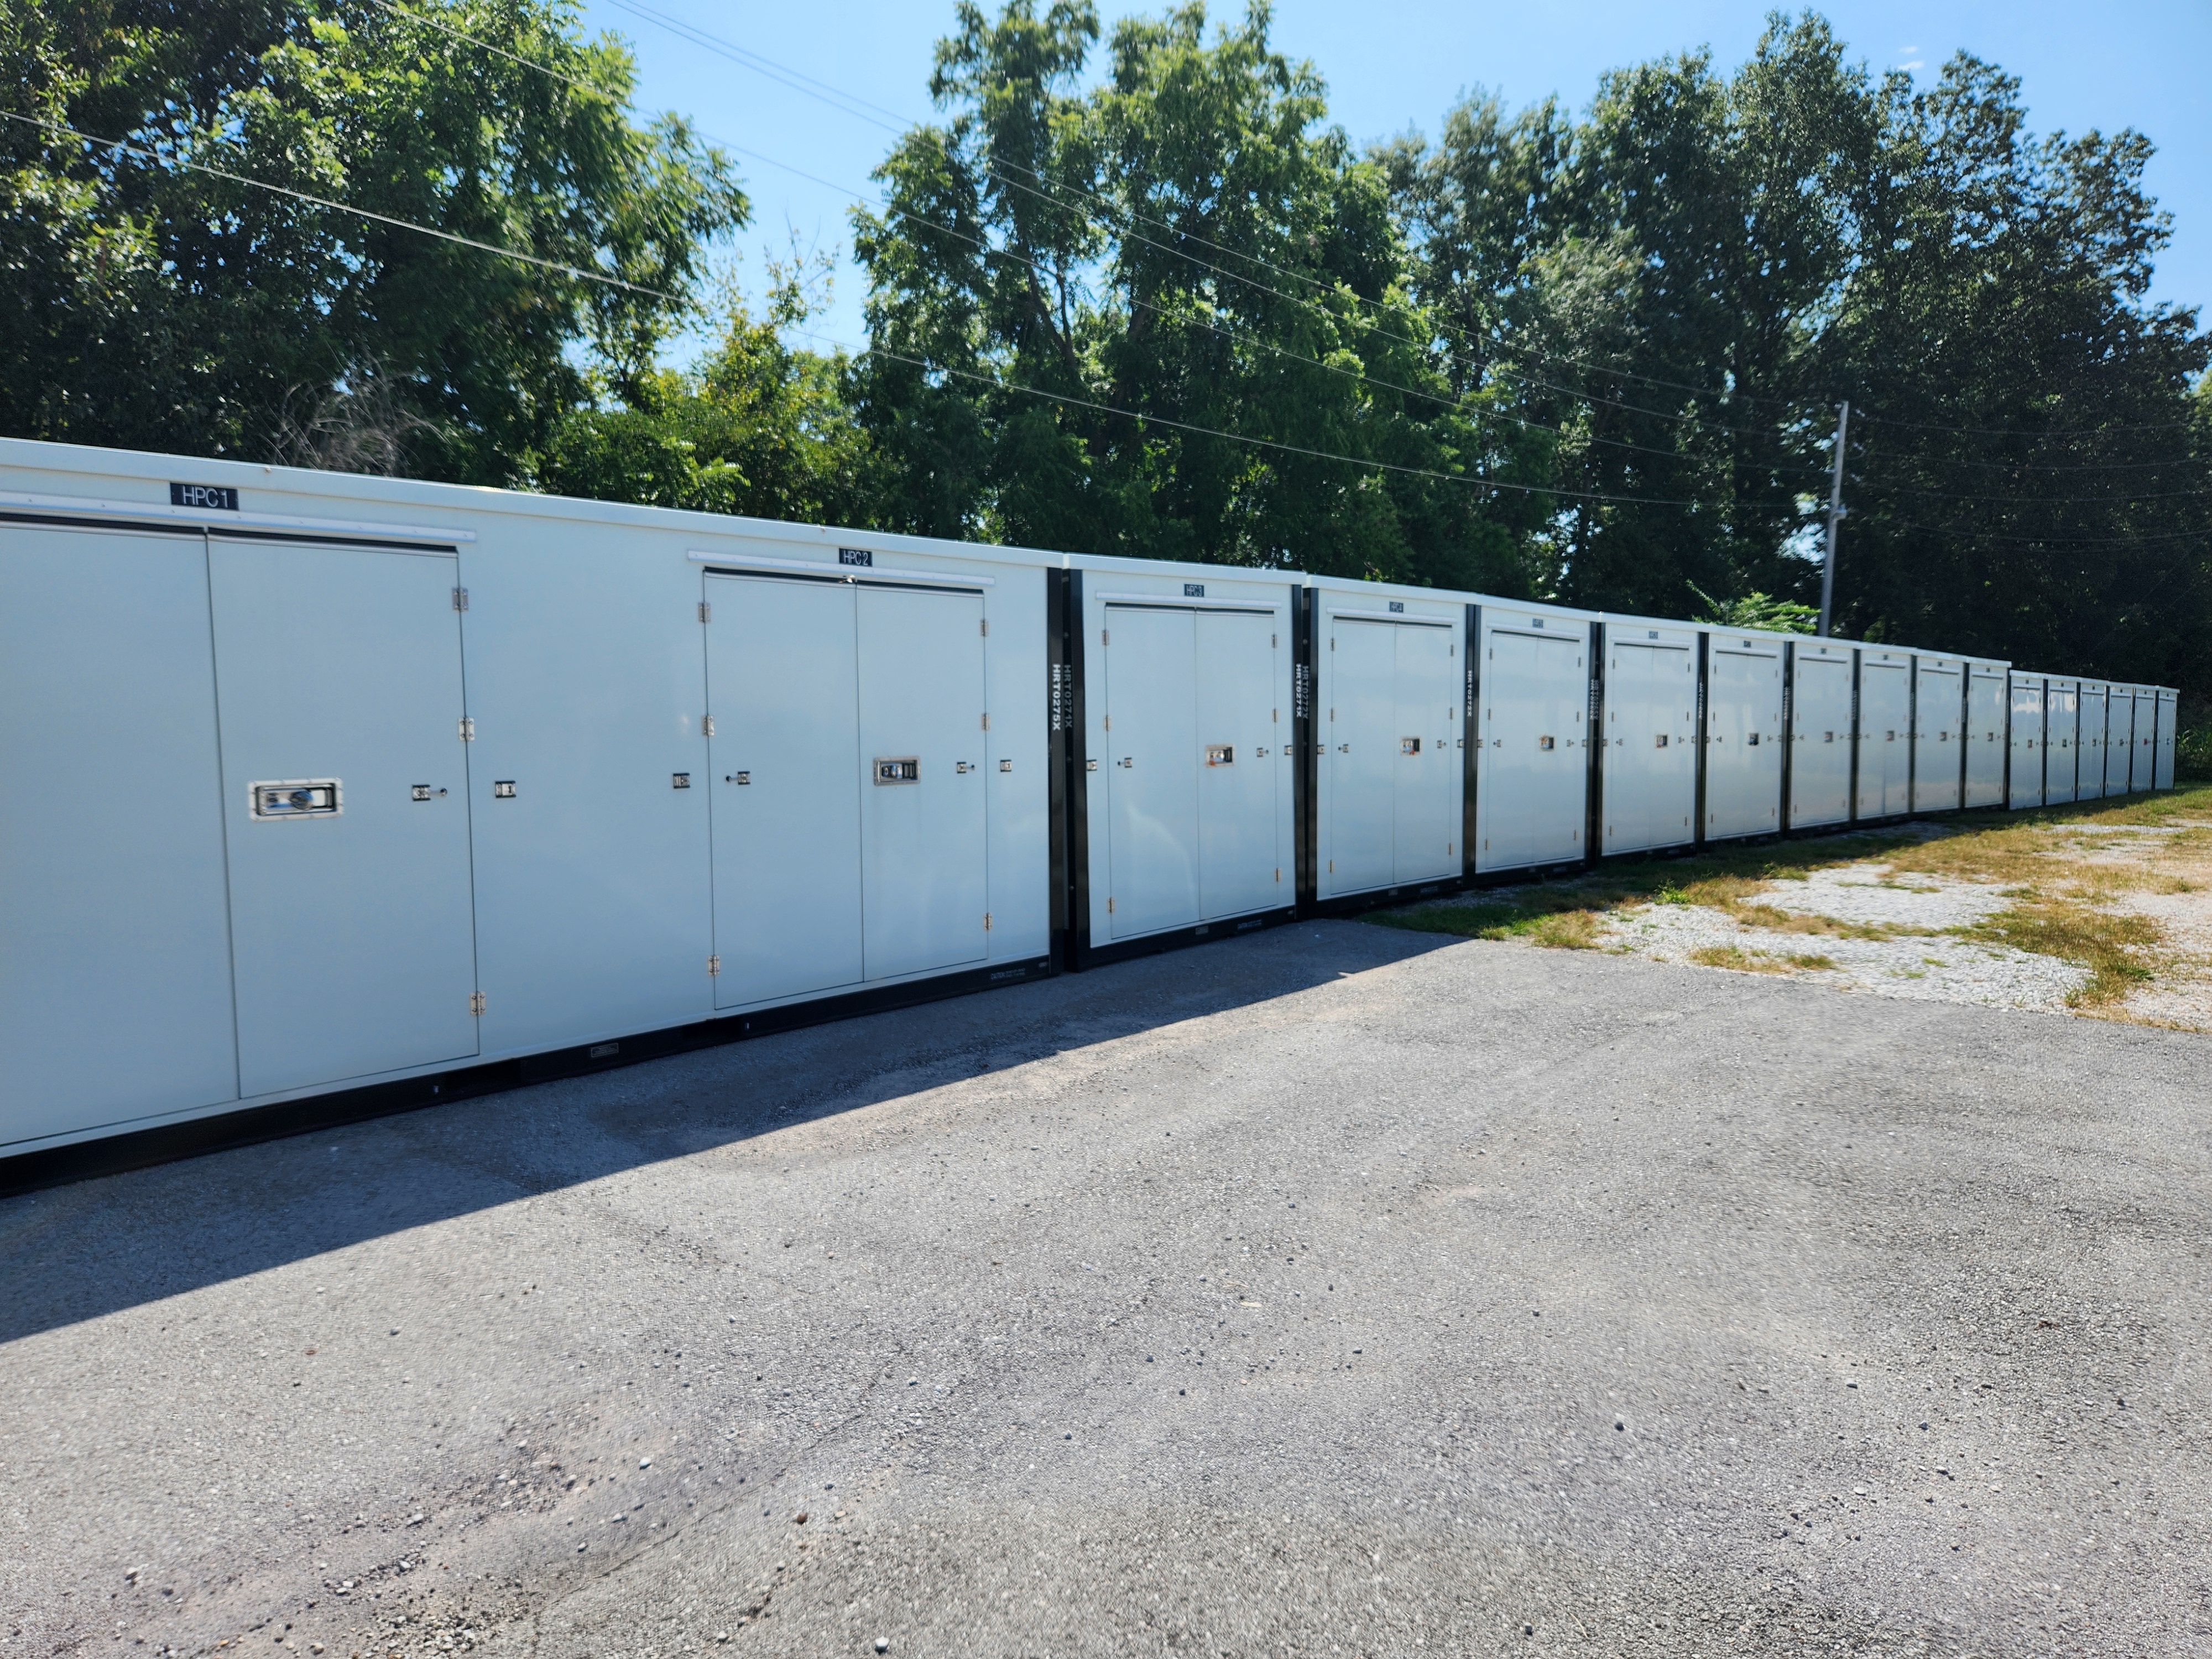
(476, 1002)
(984, 624)
(1110, 906)
(986, 921)
(986, 720)
(1105, 636)
(460, 599)
(706, 611)
(713, 966)
(707, 726)
(468, 729)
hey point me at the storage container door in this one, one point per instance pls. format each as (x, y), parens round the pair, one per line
(2025, 744)
(1535, 780)
(1426, 761)
(923, 857)
(2089, 747)
(2062, 744)
(1361, 725)
(2119, 718)
(1986, 699)
(1239, 866)
(114, 938)
(345, 793)
(2167, 710)
(2143, 764)
(1743, 740)
(785, 772)
(1820, 736)
(1885, 738)
(1937, 760)
(1650, 764)
(1152, 772)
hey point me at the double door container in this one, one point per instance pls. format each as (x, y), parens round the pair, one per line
(368, 791)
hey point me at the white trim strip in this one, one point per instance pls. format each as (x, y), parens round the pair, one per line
(1182, 602)
(161, 511)
(851, 573)
(1417, 620)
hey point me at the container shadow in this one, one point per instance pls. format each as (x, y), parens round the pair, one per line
(118, 1242)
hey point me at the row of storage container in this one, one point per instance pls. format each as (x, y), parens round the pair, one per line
(319, 784)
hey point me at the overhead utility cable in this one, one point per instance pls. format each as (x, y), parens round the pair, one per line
(561, 266)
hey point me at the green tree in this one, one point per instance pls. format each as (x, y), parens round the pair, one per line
(1183, 251)
(153, 305)
(756, 428)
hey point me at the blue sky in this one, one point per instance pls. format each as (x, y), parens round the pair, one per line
(1395, 64)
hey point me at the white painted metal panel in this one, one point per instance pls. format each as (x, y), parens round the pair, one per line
(785, 775)
(1819, 735)
(587, 680)
(1743, 735)
(2026, 743)
(2119, 737)
(1647, 754)
(2062, 741)
(114, 933)
(1427, 768)
(1152, 761)
(352, 931)
(1987, 690)
(1885, 734)
(1532, 791)
(2143, 764)
(1359, 728)
(1939, 701)
(1242, 866)
(2089, 781)
(923, 886)
(2169, 710)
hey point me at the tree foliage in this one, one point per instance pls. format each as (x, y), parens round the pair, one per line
(1132, 292)
(151, 303)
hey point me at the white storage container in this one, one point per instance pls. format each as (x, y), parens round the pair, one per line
(1822, 696)
(1187, 740)
(1648, 749)
(1882, 786)
(1939, 754)
(1987, 684)
(2027, 748)
(648, 805)
(2062, 740)
(2169, 709)
(1743, 747)
(1391, 760)
(1533, 688)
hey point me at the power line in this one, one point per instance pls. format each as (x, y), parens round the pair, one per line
(989, 250)
(565, 268)
(1238, 437)
(875, 351)
(823, 93)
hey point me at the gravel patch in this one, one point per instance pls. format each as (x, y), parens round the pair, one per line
(1923, 969)
(1862, 893)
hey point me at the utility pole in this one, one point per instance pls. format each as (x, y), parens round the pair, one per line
(1835, 518)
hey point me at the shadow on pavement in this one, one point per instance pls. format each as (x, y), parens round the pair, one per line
(119, 1242)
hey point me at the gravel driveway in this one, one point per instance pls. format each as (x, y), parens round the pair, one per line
(1340, 1290)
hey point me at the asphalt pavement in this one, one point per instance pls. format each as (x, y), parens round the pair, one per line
(1336, 1291)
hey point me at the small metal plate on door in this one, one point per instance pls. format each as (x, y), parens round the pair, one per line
(1546, 742)
(1220, 754)
(679, 779)
(898, 768)
(1409, 745)
(295, 797)
(1661, 741)
(502, 789)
